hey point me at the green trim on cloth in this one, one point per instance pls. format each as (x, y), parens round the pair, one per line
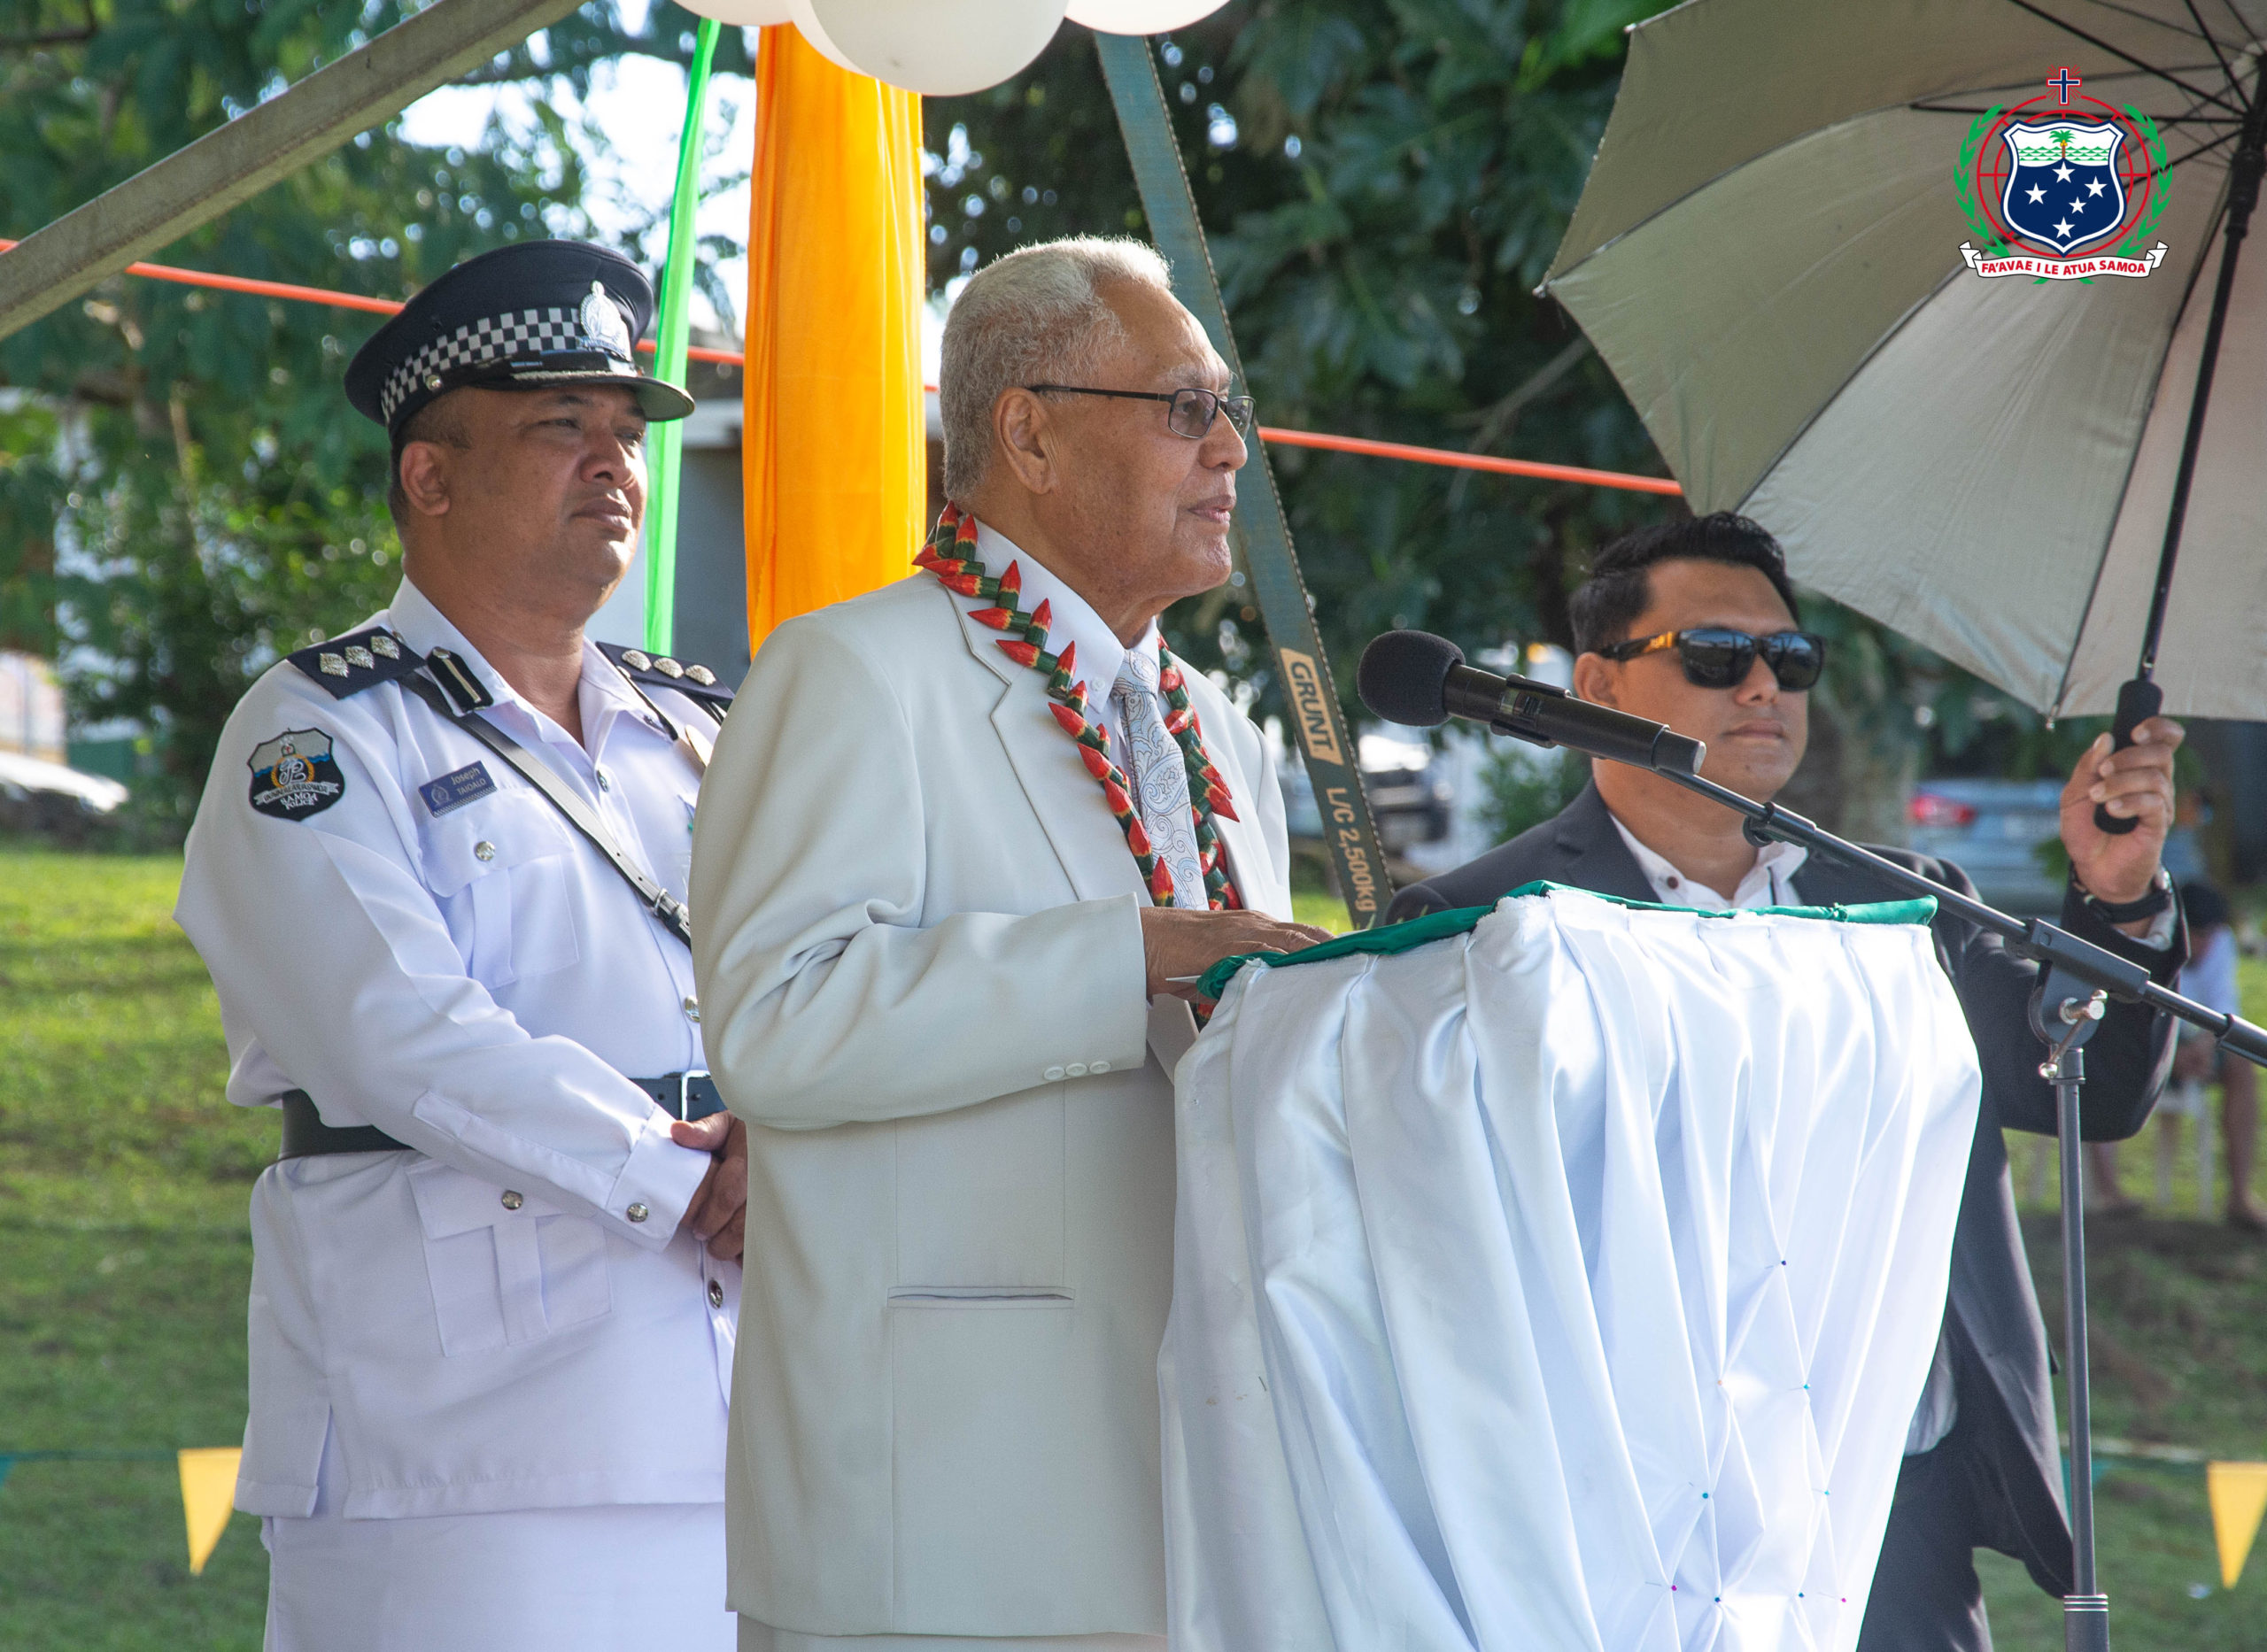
(1435, 926)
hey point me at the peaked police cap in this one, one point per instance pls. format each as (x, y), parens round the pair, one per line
(534, 316)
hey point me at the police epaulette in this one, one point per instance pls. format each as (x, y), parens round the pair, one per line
(659, 671)
(349, 664)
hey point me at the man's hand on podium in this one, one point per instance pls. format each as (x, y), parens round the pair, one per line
(1179, 946)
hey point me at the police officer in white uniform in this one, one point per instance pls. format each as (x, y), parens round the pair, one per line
(437, 875)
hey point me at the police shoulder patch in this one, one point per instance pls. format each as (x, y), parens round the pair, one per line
(295, 775)
(349, 664)
(699, 683)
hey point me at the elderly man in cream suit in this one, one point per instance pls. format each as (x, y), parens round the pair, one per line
(965, 844)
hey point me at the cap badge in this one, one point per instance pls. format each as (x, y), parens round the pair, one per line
(603, 323)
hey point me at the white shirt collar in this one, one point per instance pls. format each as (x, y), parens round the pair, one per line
(1769, 882)
(1074, 621)
(603, 693)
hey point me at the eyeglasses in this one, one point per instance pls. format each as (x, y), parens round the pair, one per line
(1193, 410)
(1715, 658)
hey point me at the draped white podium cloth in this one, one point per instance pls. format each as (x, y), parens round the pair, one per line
(1568, 1283)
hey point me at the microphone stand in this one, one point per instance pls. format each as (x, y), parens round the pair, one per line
(2065, 1008)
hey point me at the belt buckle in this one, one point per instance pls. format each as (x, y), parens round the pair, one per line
(681, 1106)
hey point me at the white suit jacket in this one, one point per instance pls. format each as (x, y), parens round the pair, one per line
(917, 943)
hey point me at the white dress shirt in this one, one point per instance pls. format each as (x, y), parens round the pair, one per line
(1770, 883)
(506, 1317)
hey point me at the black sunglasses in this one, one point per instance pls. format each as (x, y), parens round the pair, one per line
(1715, 658)
(1193, 410)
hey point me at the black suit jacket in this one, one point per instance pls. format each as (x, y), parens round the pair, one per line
(1998, 1342)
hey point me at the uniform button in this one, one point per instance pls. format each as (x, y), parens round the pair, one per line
(716, 1292)
(1076, 1069)
(484, 850)
(637, 1213)
(1052, 1074)
(693, 1009)
(512, 1201)
(604, 784)
(1097, 1066)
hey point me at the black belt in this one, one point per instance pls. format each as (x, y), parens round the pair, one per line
(680, 1095)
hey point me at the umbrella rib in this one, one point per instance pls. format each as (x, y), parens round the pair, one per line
(2202, 148)
(2122, 55)
(2140, 16)
(2226, 68)
(1858, 367)
(2132, 464)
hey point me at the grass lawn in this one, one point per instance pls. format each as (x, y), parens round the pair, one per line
(123, 1178)
(124, 1264)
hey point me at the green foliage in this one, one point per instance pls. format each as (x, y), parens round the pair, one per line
(1524, 787)
(123, 1179)
(1383, 183)
(183, 494)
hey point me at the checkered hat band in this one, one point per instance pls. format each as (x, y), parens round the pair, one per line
(492, 339)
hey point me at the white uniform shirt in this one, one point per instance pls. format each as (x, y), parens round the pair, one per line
(1770, 883)
(2210, 978)
(507, 1317)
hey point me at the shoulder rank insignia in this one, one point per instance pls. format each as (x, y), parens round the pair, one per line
(349, 664)
(295, 775)
(698, 683)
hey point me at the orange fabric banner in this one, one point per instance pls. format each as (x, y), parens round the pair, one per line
(835, 456)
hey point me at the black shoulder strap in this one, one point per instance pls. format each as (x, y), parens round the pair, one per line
(537, 774)
(696, 683)
(359, 659)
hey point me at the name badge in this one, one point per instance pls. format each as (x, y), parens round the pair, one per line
(454, 791)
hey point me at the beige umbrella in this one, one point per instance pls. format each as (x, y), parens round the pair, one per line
(1769, 255)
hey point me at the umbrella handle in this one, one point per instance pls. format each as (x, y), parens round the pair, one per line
(2137, 700)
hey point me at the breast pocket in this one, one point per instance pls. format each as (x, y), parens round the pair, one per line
(506, 1267)
(503, 870)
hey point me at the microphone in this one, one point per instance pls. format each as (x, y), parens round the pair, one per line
(1417, 679)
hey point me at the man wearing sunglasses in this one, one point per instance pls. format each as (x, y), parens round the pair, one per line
(1694, 624)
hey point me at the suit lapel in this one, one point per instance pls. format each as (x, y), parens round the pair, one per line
(1590, 852)
(1064, 797)
(1251, 869)
(1822, 881)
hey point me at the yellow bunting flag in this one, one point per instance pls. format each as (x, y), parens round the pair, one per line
(2238, 1492)
(208, 1490)
(836, 459)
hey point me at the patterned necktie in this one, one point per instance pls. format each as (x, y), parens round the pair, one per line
(1159, 776)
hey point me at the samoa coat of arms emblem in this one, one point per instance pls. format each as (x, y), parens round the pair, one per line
(2060, 189)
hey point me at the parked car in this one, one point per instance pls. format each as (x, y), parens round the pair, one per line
(1405, 783)
(1997, 832)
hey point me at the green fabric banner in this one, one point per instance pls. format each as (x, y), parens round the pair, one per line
(1434, 926)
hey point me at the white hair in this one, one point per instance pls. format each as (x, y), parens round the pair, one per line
(1036, 316)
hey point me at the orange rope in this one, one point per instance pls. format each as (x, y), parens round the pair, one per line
(1280, 437)
(1470, 461)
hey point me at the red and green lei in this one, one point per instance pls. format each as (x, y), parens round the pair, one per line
(950, 554)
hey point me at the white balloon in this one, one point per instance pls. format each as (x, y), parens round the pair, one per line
(938, 48)
(811, 29)
(1141, 17)
(742, 13)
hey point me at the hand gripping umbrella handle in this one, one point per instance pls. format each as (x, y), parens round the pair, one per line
(2137, 701)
